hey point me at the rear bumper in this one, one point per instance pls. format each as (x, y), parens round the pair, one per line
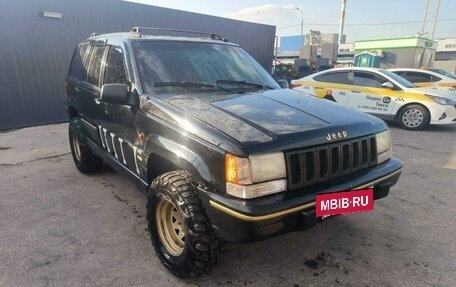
(237, 220)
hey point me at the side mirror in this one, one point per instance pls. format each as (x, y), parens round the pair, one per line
(115, 94)
(388, 85)
(283, 83)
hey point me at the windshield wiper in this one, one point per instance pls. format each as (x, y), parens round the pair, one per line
(242, 83)
(185, 84)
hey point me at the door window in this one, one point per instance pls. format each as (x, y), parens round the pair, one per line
(93, 75)
(416, 77)
(334, 77)
(115, 68)
(368, 80)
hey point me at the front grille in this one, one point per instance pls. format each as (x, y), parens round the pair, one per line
(306, 167)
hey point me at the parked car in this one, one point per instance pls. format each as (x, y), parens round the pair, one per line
(442, 72)
(221, 151)
(428, 78)
(382, 93)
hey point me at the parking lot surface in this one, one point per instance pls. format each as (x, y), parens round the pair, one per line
(62, 228)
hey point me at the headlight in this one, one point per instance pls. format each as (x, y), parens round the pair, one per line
(384, 149)
(442, 101)
(255, 176)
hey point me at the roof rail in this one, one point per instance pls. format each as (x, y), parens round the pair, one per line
(213, 36)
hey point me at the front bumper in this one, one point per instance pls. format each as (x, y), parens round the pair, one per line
(443, 114)
(238, 220)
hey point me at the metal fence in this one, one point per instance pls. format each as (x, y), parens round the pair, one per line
(38, 39)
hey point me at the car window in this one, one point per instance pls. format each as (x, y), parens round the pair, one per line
(334, 77)
(77, 69)
(443, 72)
(93, 75)
(368, 80)
(115, 68)
(416, 77)
(397, 79)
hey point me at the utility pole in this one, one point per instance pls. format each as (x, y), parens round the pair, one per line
(342, 21)
(302, 26)
(435, 19)
(423, 22)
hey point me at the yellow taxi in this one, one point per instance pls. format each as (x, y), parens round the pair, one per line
(428, 78)
(381, 93)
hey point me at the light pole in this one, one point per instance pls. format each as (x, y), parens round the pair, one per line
(302, 25)
(423, 22)
(435, 19)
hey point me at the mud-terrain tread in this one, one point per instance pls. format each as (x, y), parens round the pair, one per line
(203, 246)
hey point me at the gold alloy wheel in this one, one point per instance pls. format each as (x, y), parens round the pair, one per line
(170, 227)
(76, 147)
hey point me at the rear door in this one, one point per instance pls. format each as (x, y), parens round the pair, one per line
(334, 86)
(369, 96)
(86, 86)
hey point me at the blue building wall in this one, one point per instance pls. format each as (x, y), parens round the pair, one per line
(290, 43)
(35, 51)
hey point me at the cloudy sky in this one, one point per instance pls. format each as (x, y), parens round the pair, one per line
(365, 19)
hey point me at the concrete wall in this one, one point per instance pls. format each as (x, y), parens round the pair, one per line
(35, 51)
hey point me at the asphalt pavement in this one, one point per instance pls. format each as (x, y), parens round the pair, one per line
(62, 228)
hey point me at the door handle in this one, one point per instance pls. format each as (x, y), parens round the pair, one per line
(356, 92)
(318, 88)
(97, 101)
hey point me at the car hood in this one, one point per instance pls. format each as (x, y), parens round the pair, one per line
(443, 92)
(275, 119)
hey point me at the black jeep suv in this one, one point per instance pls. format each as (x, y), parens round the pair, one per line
(222, 152)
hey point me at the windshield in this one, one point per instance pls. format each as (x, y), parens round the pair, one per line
(165, 65)
(443, 72)
(405, 83)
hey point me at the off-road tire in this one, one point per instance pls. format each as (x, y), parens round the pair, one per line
(419, 117)
(200, 248)
(86, 162)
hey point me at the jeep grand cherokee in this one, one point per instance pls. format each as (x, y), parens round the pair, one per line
(222, 152)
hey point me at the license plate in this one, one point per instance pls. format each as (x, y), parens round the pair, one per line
(344, 202)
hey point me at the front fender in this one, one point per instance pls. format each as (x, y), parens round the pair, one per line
(161, 151)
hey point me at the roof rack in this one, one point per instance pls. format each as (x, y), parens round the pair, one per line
(213, 36)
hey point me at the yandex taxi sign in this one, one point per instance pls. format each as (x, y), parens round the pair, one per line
(345, 202)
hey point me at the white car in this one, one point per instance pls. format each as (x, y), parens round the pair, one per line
(383, 94)
(428, 78)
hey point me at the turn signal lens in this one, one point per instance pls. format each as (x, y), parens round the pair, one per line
(237, 170)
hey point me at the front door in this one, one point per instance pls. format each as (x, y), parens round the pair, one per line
(368, 95)
(118, 130)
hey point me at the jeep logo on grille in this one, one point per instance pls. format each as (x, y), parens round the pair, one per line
(338, 135)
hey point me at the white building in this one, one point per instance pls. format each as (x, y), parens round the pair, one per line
(445, 56)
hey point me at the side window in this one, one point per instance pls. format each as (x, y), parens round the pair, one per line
(368, 80)
(77, 69)
(335, 77)
(416, 77)
(115, 68)
(435, 78)
(93, 75)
